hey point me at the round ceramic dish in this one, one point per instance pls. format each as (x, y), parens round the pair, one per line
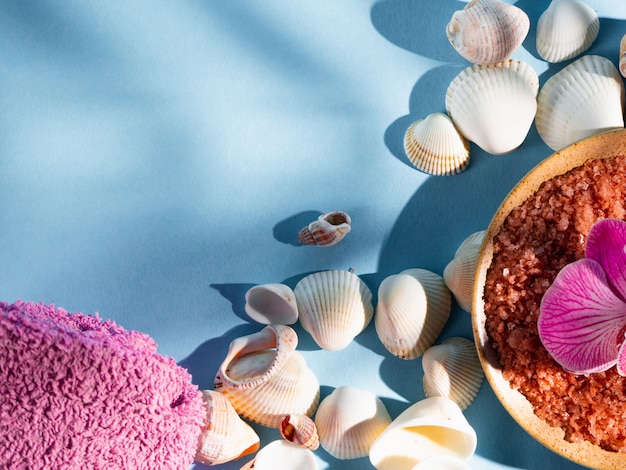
(601, 146)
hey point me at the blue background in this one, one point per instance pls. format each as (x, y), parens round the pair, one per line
(158, 159)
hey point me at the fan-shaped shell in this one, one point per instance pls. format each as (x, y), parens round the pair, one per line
(272, 304)
(566, 29)
(224, 435)
(284, 455)
(487, 31)
(434, 146)
(334, 307)
(349, 420)
(459, 273)
(300, 430)
(581, 100)
(328, 230)
(413, 307)
(452, 370)
(622, 56)
(494, 105)
(265, 378)
(431, 427)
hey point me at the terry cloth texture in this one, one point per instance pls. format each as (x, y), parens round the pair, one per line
(77, 392)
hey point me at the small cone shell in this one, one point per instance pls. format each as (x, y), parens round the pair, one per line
(459, 273)
(349, 420)
(328, 230)
(452, 370)
(334, 306)
(300, 430)
(284, 455)
(434, 146)
(413, 307)
(224, 435)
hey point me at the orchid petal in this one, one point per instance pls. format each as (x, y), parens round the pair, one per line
(581, 320)
(605, 244)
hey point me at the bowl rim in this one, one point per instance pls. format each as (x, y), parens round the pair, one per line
(603, 145)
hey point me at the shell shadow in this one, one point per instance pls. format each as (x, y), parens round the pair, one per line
(286, 231)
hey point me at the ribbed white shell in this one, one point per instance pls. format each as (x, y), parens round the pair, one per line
(349, 420)
(452, 370)
(334, 306)
(459, 273)
(583, 99)
(413, 307)
(284, 455)
(494, 105)
(434, 146)
(566, 29)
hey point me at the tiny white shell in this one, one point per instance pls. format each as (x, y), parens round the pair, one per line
(583, 99)
(413, 307)
(272, 304)
(459, 273)
(434, 146)
(487, 31)
(334, 307)
(349, 420)
(284, 455)
(452, 370)
(429, 428)
(494, 105)
(566, 29)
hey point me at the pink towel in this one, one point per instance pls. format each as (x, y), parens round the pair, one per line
(77, 392)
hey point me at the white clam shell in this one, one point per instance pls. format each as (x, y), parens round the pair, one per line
(284, 455)
(583, 99)
(459, 273)
(429, 428)
(272, 304)
(265, 378)
(435, 146)
(349, 420)
(334, 307)
(487, 31)
(566, 29)
(494, 105)
(443, 462)
(622, 56)
(413, 307)
(452, 370)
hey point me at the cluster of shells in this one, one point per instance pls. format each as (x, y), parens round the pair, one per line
(494, 101)
(264, 379)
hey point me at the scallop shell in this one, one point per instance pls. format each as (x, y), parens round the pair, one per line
(272, 304)
(328, 230)
(583, 99)
(434, 146)
(566, 29)
(460, 271)
(429, 428)
(300, 430)
(224, 435)
(487, 31)
(265, 378)
(334, 307)
(622, 56)
(413, 307)
(494, 105)
(284, 455)
(349, 420)
(452, 370)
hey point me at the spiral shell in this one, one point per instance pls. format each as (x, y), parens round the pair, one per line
(622, 56)
(300, 430)
(459, 273)
(271, 304)
(487, 31)
(434, 146)
(328, 230)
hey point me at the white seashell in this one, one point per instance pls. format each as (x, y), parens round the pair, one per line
(272, 304)
(431, 427)
(328, 230)
(334, 307)
(284, 455)
(413, 307)
(459, 273)
(494, 105)
(622, 56)
(443, 462)
(487, 31)
(265, 378)
(434, 146)
(583, 99)
(349, 420)
(452, 370)
(566, 29)
(224, 435)
(300, 430)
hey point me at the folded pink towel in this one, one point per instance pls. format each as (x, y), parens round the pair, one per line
(77, 392)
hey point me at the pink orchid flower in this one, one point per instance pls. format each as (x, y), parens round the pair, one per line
(582, 320)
